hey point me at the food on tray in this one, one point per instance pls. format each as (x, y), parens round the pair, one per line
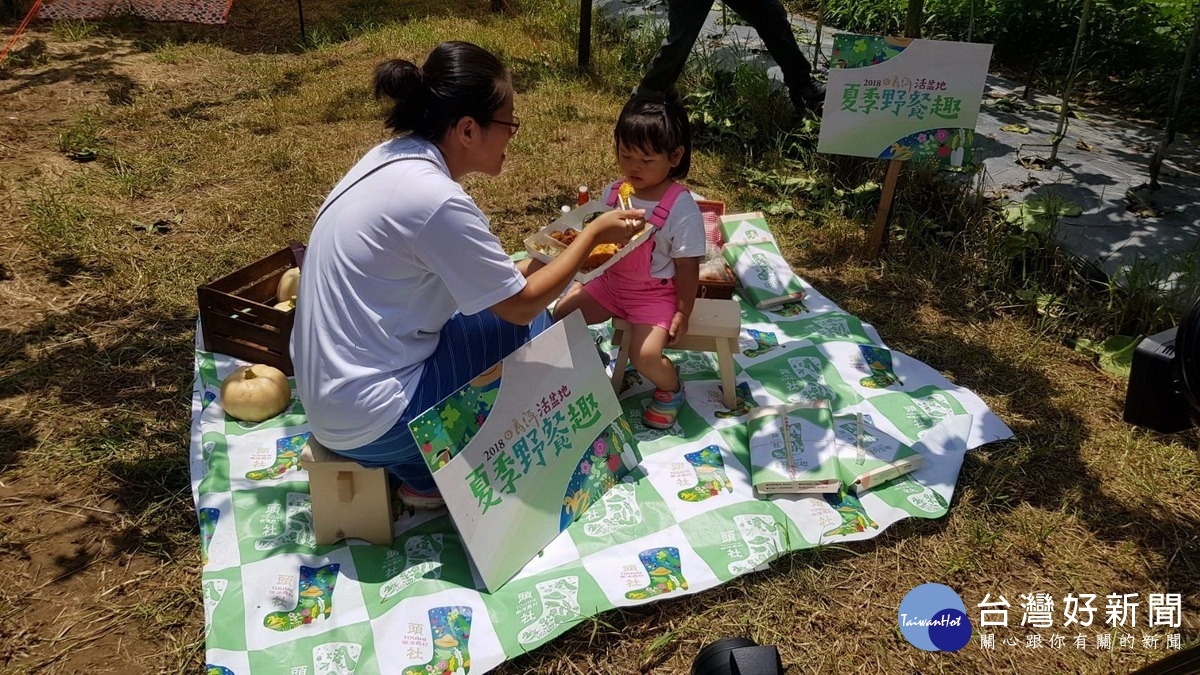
(547, 250)
(715, 270)
(624, 193)
(565, 237)
(598, 256)
(623, 196)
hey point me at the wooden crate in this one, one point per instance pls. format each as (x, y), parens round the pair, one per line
(709, 288)
(715, 289)
(237, 313)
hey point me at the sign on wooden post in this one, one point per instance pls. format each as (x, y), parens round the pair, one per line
(902, 99)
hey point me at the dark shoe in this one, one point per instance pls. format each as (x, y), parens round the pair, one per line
(604, 357)
(809, 97)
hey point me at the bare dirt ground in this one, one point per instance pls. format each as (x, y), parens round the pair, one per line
(101, 575)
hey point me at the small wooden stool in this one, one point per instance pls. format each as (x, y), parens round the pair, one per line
(348, 499)
(713, 327)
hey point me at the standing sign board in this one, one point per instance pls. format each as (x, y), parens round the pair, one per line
(522, 450)
(895, 98)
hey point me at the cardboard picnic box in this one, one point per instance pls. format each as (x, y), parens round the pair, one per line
(765, 279)
(238, 315)
(522, 450)
(542, 246)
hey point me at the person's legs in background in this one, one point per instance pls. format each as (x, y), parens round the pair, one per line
(685, 19)
(770, 20)
(467, 346)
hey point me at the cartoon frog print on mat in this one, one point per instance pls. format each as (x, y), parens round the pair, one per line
(711, 476)
(794, 308)
(450, 628)
(854, 516)
(287, 456)
(879, 360)
(422, 559)
(811, 380)
(315, 599)
(744, 402)
(694, 363)
(666, 573)
(832, 327)
(765, 341)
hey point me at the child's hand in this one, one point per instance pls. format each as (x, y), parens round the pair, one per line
(679, 328)
(616, 227)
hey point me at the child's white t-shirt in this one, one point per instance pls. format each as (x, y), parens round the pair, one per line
(387, 265)
(681, 236)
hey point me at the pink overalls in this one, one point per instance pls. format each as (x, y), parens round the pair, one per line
(626, 289)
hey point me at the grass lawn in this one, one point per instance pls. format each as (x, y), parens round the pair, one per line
(212, 146)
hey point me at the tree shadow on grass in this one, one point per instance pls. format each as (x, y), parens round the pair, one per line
(100, 399)
(253, 27)
(78, 65)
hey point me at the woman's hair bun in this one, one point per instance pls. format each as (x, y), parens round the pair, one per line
(401, 81)
(398, 80)
(458, 79)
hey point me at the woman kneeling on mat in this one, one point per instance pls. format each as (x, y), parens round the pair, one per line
(406, 294)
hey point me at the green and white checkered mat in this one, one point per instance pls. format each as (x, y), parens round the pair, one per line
(276, 603)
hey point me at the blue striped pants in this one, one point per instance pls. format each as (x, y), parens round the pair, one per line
(467, 346)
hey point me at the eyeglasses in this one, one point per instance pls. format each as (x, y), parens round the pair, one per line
(513, 126)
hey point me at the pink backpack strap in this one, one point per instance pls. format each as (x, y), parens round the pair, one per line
(659, 217)
(614, 194)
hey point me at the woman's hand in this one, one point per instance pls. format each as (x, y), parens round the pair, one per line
(546, 282)
(615, 227)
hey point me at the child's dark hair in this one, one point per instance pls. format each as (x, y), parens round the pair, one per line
(458, 79)
(656, 126)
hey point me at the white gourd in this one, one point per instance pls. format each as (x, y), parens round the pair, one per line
(255, 393)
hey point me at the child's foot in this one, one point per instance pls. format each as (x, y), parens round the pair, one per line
(664, 407)
(420, 501)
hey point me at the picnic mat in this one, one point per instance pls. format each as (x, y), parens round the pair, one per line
(687, 520)
(195, 11)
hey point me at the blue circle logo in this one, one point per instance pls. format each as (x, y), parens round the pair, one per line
(932, 617)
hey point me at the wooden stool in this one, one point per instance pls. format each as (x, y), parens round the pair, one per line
(348, 499)
(713, 327)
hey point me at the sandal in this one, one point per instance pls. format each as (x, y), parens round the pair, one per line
(664, 407)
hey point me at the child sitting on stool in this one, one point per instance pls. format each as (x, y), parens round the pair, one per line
(654, 286)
